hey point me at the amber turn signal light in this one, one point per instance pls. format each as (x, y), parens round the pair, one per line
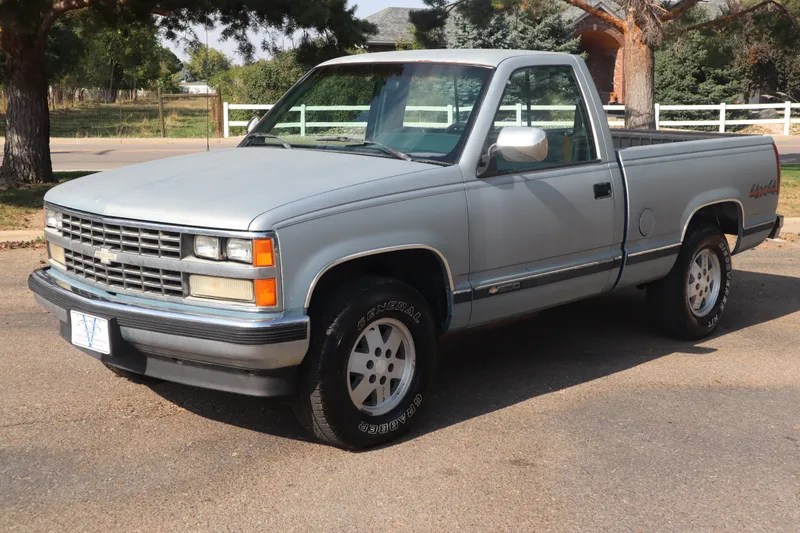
(263, 253)
(266, 292)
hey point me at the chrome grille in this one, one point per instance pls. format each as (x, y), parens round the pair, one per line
(127, 277)
(142, 241)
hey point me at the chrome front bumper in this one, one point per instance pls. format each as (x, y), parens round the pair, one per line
(236, 352)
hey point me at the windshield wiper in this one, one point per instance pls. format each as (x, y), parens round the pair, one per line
(397, 154)
(260, 135)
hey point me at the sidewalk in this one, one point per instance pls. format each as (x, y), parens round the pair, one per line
(790, 225)
(24, 235)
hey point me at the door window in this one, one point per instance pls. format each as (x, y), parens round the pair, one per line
(546, 97)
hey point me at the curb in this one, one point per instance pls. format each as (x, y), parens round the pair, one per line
(791, 225)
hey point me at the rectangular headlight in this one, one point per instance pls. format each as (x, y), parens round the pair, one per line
(52, 219)
(240, 250)
(221, 288)
(207, 247)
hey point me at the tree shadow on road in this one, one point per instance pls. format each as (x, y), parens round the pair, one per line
(485, 370)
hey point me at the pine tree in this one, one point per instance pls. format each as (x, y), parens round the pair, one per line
(517, 28)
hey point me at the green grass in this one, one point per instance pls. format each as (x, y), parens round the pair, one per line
(21, 207)
(182, 118)
(789, 201)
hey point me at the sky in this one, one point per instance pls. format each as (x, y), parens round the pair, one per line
(364, 8)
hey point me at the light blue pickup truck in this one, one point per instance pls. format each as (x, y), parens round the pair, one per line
(387, 199)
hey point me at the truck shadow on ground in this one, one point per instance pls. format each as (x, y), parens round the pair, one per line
(492, 368)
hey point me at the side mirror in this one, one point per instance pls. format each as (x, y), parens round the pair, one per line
(522, 144)
(251, 124)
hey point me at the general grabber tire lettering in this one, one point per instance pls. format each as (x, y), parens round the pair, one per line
(371, 359)
(689, 303)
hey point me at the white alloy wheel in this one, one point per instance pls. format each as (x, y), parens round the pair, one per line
(703, 282)
(381, 366)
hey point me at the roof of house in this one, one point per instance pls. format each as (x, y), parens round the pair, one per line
(575, 14)
(393, 25)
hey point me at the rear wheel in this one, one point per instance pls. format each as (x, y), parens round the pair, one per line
(690, 301)
(369, 365)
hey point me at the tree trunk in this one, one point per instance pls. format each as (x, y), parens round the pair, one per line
(26, 155)
(639, 80)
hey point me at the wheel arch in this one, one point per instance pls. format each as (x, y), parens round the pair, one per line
(727, 214)
(411, 264)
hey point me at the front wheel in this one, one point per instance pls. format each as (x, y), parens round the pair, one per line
(369, 365)
(689, 303)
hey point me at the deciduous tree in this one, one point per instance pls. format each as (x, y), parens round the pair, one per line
(26, 24)
(205, 63)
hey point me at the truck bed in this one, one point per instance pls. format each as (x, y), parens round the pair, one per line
(623, 138)
(667, 182)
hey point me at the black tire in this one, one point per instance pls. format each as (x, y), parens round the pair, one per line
(323, 404)
(133, 377)
(668, 299)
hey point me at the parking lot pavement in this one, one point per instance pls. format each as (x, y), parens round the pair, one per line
(580, 418)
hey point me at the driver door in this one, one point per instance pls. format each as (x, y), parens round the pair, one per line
(541, 233)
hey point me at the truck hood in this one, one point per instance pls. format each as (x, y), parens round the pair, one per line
(222, 189)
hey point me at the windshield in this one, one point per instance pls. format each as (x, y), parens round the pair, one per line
(417, 111)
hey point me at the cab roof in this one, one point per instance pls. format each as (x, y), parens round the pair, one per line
(477, 56)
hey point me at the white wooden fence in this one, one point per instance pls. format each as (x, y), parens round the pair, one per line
(784, 115)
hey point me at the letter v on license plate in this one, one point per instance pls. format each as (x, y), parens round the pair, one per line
(90, 332)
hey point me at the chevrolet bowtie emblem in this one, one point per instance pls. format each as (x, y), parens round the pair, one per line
(105, 256)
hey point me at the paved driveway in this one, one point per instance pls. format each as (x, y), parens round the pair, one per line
(578, 419)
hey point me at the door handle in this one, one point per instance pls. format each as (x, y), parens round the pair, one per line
(602, 190)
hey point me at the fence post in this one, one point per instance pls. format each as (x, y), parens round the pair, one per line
(658, 116)
(449, 114)
(519, 113)
(226, 120)
(787, 119)
(722, 114)
(218, 112)
(161, 112)
(303, 120)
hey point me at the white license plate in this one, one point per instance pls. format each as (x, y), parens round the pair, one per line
(90, 332)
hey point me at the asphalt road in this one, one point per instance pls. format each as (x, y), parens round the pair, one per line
(578, 419)
(105, 154)
(789, 148)
(109, 153)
